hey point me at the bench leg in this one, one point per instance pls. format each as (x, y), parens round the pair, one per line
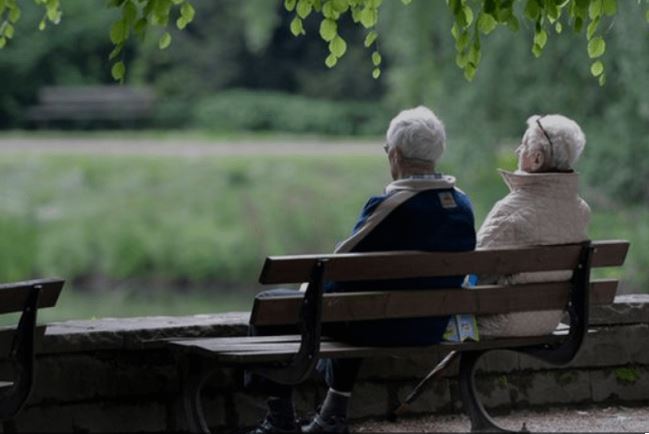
(193, 376)
(480, 419)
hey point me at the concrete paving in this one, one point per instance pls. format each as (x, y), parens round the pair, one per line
(603, 419)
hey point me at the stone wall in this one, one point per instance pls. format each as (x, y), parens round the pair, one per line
(114, 375)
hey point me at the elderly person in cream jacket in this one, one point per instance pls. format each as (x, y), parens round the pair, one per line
(543, 207)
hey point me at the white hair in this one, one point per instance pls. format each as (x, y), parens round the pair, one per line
(418, 134)
(566, 140)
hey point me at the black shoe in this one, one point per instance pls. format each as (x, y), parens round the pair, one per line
(333, 424)
(271, 425)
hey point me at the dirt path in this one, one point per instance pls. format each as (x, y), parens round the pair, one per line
(185, 148)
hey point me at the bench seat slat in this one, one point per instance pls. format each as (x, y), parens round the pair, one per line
(437, 302)
(250, 353)
(13, 296)
(396, 265)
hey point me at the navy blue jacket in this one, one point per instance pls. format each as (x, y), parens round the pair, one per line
(423, 222)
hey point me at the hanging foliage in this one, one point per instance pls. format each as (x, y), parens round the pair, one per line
(472, 20)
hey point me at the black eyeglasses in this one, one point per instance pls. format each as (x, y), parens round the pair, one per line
(547, 136)
(386, 148)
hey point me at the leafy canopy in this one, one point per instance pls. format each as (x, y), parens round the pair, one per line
(472, 20)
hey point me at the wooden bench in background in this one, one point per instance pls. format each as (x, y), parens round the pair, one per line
(112, 103)
(17, 343)
(291, 359)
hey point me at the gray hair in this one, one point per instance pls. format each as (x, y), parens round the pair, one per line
(564, 143)
(418, 134)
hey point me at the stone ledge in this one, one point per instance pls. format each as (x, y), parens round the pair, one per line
(626, 309)
(130, 333)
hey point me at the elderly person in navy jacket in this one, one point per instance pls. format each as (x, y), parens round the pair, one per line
(420, 210)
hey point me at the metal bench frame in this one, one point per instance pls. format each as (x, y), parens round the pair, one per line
(26, 297)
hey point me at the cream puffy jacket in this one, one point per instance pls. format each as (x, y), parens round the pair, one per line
(541, 209)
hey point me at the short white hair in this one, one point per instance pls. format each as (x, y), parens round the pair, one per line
(566, 139)
(418, 134)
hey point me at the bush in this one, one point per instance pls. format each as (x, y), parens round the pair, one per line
(249, 110)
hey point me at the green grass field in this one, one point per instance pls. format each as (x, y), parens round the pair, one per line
(175, 235)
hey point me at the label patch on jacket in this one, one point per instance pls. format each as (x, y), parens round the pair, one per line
(447, 200)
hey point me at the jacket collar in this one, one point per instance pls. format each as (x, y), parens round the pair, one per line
(421, 183)
(557, 184)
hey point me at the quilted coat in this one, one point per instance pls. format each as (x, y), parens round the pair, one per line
(541, 209)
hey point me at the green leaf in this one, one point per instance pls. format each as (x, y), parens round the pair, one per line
(113, 54)
(290, 4)
(461, 60)
(296, 27)
(610, 7)
(595, 9)
(165, 40)
(42, 25)
(118, 32)
(597, 68)
(474, 55)
(338, 46)
(513, 23)
(532, 10)
(376, 73)
(486, 23)
(646, 16)
(331, 61)
(9, 31)
(368, 17)
(328, 29)
(3, 42)
(376, 58)
(370, 38)
(558, 28)
(340, 6)
(469, 71)
(596, 47)
(405, 2)
(592, 28)
(14, 15)
(140, 26)
(602, 80)
(304, 8)
(187, 12)
(468, 15)
(329, 11)
(118, 70)
(181, 23)
(541, 38)
(129, 13)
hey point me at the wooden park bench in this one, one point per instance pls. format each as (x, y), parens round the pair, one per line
(291, 359)
(17, 343)
(111, 103)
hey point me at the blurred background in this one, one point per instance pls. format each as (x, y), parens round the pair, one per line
(163, 196)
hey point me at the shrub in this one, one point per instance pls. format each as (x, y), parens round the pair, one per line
(248, 110)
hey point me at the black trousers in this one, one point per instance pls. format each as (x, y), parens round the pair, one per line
(339, 374)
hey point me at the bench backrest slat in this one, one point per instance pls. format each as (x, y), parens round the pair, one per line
(491, 299)
(396, 265)
(13, 296)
